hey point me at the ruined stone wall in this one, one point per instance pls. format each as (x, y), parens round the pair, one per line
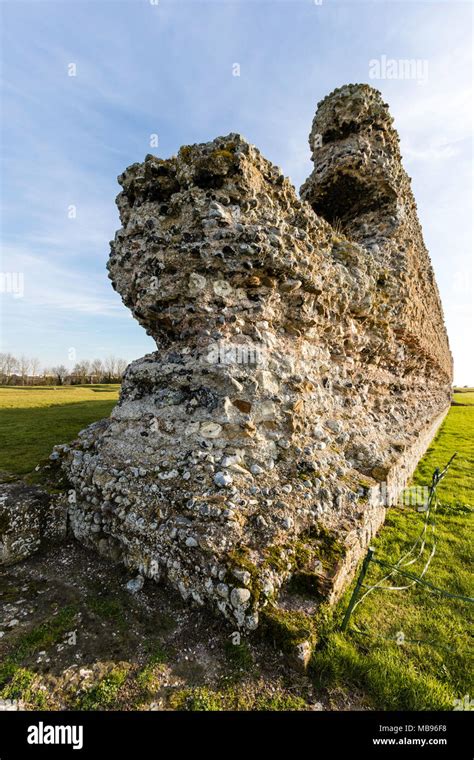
(359, 182)
(301, 364)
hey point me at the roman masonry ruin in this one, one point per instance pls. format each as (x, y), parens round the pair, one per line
(302, 365)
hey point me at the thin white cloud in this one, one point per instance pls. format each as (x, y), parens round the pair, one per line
(56, 287)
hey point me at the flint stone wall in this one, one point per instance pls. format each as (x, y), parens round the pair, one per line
(302, 364)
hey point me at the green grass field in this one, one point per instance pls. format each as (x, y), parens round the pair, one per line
(34, 419)
(407, 649)
(457, 434)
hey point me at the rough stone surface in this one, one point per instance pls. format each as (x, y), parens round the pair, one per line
(28, 516)
(302, 364)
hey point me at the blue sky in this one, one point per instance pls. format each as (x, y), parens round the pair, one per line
(167, 69)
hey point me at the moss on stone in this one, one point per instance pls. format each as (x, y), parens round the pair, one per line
(287, 628)
(147, 676)
(200, 699)
(103, 694)
(327, 542)
(273, 555)
(25, 687)
(279, 702)
(240, 560)
(222, 153)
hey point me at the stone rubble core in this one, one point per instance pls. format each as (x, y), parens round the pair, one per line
(302, 365)
(29, 518)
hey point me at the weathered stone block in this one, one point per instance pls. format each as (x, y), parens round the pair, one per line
(28, 516)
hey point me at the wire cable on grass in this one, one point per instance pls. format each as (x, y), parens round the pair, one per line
(431, 503)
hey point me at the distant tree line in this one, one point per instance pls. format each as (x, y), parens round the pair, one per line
(25, 370)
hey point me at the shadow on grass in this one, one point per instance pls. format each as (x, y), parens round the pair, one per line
(28, 435)
(97, 387)
(103, 390)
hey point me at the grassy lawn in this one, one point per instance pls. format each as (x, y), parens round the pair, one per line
(457, 434)
(412, 649)
(34, 419)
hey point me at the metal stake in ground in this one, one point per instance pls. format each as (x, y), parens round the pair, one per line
(355, 593)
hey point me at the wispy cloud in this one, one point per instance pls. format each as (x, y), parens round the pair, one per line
(51, 285)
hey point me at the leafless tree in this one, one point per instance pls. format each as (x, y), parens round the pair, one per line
(108, 370)
(60, 373)
(114, 368)
(8, 365)
(110, 366)
(122, 365)
(82, 370)
(24, 364)
(34, 368)
(97, 370)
